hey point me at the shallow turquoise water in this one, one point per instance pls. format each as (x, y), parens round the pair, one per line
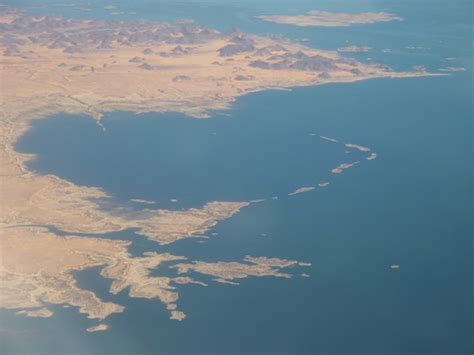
(412, 206)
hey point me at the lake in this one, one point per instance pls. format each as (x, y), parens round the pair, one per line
(411, 206)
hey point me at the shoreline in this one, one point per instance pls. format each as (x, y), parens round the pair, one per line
(89, 81)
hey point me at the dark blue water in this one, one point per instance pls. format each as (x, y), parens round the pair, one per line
(412, 206)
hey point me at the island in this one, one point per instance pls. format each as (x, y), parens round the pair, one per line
(332, 19)
(302, 190)
(97, 328)
(339, 169)
(354, 49)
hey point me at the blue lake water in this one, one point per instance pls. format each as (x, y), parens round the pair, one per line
(412, 206)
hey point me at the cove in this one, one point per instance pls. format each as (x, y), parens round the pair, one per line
(411, 206)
